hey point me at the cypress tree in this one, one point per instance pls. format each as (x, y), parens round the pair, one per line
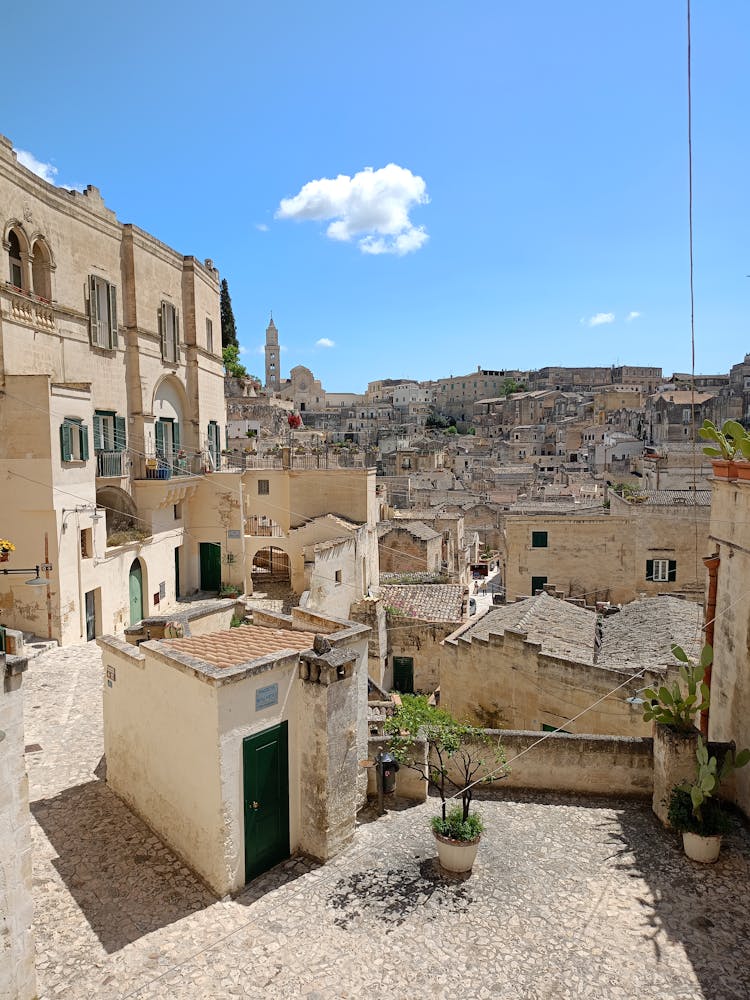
(228, 328)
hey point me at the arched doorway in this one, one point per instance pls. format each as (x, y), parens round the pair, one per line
(270, 565)
(135, 583)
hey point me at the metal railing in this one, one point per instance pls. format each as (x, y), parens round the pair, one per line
(111, 464)
(173, 466)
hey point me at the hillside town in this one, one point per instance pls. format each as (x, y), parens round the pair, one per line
(219, 589)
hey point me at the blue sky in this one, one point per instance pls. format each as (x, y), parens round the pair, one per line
(538, 196)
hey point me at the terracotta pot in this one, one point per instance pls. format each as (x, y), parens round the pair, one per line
(743, 470)
(456, 855)
(703, 849)
(724, 469)
(4, 556)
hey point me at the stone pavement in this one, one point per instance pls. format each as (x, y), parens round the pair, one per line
(569, 897)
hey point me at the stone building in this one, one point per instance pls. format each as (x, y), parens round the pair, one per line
(418, 618)
(645, 545)
(729, 576)
(409, 547)
(273, 360)
(111, 408)
(539, 662)
(17, 977)
(241, 747)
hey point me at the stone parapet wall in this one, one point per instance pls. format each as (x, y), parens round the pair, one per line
(17, 977)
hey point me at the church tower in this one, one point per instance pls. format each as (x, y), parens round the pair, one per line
(272, 357)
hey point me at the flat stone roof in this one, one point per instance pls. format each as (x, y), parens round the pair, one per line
(242, 644)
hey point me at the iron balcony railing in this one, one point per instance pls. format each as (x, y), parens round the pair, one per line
(111, 464)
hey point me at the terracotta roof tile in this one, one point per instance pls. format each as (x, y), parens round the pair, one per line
(242, 644)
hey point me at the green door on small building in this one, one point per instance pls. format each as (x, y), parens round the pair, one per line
(136, 592)
(537, 583)
(265, 768)
(403, 674)
(210, 555)
(177, 571)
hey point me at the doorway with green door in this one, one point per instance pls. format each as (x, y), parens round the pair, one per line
(136, 591)
(210, 560)
(265, 771)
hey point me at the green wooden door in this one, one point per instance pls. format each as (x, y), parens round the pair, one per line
(265, 768)
(403, 674)
(177, 571)
(136, 592)
(210, 565)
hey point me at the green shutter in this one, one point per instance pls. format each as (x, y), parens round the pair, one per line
(93, 311)
(98, 439)
(66, 442)
(672, 570)
(159, 433)
(120, 435)
(175, 437)
(163, 329)
(112, 290)
(649, 569)
(176, 335)
(83, 433)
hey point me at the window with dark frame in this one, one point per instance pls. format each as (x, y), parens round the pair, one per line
(539, 540)
(263, 488)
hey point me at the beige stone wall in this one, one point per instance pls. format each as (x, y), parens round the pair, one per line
(585, 765)
(506, 682)
(17, 977)
(604, 557)
(730, 686)
(423, 642)
(401, 552)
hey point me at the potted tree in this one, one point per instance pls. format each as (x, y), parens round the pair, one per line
(731, 445)
(673, 709)
(694, 810)
(457, 756)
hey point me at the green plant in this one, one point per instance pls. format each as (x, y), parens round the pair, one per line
(458, 754)
(236, 622)
(705, 812)
(127, 535)
(455, 827)
(229, 590)
(677, 707)
(732, 441)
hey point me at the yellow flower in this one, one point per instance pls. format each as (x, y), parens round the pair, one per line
(6, 546)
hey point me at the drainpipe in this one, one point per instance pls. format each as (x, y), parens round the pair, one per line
(712, 565)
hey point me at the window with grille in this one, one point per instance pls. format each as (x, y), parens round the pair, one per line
(263, 489)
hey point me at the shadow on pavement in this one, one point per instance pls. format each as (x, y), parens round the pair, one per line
(125, 881)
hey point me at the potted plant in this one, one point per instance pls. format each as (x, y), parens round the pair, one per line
(229, 590)
(673, 708)
(457, 756)
(6, 547)
(695, 811)
(730, 443)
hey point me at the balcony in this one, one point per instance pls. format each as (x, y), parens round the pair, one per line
(174, 466)
(112, 464)
(29, 309)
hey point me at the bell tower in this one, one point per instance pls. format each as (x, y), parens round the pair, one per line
(272, 357)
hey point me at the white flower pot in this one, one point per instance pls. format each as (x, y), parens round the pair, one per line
(456, 855)
(704, 849)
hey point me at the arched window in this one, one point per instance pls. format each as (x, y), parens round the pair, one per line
(14, 256)
(41, 272)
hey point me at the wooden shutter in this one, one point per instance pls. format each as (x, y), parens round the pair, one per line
(112, 295)
(176, 340)
(120, 435)
(175, 437)
(672, 570)
(650, 569)
(66, 442)
(98, 436)
(83, 439)
(163, 329)
(159, 434)
(93, 311)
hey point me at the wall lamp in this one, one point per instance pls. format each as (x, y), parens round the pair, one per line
(37, 580)
(635, 700)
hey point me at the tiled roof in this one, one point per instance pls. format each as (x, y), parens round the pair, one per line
(642, 634)
(563, 629)
(415, 528)
(682, 397)
(670, 498)
(242, 644)
(431, 602)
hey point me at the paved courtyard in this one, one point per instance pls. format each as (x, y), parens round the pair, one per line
(569, 897)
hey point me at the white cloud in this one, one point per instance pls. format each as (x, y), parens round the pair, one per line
(46, 171)
(631, 316)
(243, 350)
(325, 342)
(261, 227)
(372, 207)
(599, 319)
